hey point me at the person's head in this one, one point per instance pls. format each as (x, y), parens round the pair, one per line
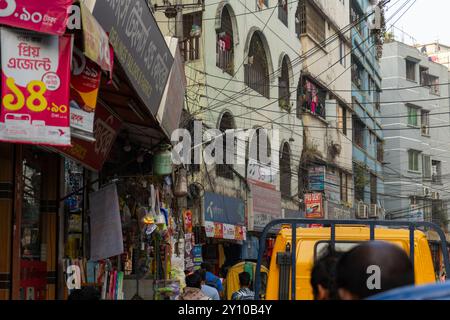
(244, 279)
(372, 268)
(202, 274)
(206, 266)
(85, 293)
(194, 281)
(323, 275)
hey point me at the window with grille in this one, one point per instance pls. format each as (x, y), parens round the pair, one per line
(413, 160)
(225, 170)
(342, 119)
(311, 98)
(225, 43)
(285, 171)
(284, 94)
(256, 70)
(411, 70)
(426, 167)
(380, 150)
(425, 122)
(190, 44)
(358, 132)
(344, 186)
(356, 17)
(373, 189)
(412, 116)
(436, 171)
(310, 21)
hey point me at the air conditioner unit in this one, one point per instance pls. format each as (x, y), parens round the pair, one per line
(362, 212)
(426, 192)
(373, 211)
(435, 195)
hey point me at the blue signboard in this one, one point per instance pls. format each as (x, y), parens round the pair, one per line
(316, 178)
(223, 209)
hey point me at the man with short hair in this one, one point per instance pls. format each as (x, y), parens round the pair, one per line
(208, 290)
(354, 270)
(244, 293)
(193, 289)
(211, 279)
(323, 275)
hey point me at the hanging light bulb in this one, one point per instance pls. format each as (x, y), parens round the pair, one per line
(127, 146)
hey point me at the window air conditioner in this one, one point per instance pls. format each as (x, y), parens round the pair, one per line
(362, 212)
(373, 212)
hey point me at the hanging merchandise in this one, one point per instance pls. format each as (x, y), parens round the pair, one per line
(162, 162)
(181, 184)
(35, 88)
(43, 16)
(84, 87)
(187, 217)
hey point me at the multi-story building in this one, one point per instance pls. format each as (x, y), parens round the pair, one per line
(324, 105)
(437, 52)
(242, 62)
(367, 133)
(415, 110)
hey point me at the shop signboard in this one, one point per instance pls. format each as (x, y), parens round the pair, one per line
(42, 16)
(223, 209)
(316, 178)
(412, 216)
(84, 88)
(266, 206)
(224, 217)
(219, 230)
(138, 45)
(35, 87)
(94, 154)
(95, 41)
(332, 185)
(314, 206)
(172, 103)
(261, 174)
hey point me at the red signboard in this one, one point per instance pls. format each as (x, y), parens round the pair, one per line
(314, 206)
(42, 16)
(35, 88)
(94, 154)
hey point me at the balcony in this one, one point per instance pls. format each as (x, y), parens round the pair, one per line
(190, 48)
(224, 59)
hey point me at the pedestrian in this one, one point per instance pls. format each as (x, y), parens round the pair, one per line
(211, 279)
(208, 290)
(193, 290)
(244, 293)
(323, 275)
(372, 268)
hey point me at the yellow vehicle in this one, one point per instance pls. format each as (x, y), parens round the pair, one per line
(232, 280)
(311, 241)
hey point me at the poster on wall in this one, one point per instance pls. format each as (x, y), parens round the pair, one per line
(84, 88)
(42, 16)
(35, 88)
(314, 206)
(316, 178)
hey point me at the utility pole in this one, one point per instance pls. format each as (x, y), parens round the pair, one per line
(179, 32)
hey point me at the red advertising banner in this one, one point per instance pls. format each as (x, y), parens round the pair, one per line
(42, 16)
(35, 88)
(314, 206)
(84, 87)
(94, 154)
(219, 230)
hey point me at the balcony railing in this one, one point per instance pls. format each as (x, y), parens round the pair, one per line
(190, 48)
(224, 59)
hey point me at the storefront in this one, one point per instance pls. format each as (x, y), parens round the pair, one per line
(88, 186)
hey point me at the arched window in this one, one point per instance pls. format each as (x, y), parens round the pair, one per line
(284, 95)
(225, 43)
(256, 70)
(225, 170)
(285, 171)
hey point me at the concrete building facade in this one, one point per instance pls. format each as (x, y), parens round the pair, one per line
(417, 134)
